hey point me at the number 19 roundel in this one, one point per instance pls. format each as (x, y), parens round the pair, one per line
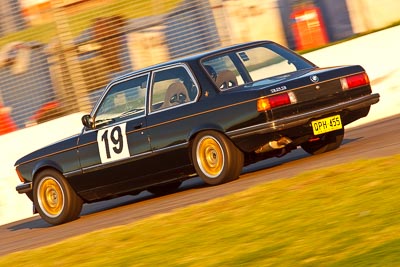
(113, 143)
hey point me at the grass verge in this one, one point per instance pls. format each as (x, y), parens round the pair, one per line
(345, 215)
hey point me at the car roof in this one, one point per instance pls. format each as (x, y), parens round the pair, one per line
(190, 58)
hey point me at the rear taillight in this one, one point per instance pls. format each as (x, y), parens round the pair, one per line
(267, 103)
(354, 81)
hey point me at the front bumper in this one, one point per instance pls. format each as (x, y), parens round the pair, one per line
(24, 188)
(303, 118)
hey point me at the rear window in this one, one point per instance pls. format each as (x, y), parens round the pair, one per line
(262, 63)
(268, 61)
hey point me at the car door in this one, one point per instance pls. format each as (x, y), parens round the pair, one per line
(114, 155)
(172, 94)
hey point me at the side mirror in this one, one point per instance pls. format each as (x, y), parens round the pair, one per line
(87, 121)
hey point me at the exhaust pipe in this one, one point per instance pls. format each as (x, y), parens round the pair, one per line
(273, 145)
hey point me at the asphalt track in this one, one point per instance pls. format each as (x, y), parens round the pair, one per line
(375, 139)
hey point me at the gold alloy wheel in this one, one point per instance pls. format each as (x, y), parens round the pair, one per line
(210, 156)
(50, 197)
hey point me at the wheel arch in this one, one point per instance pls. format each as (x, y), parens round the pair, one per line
(45, 164)
(205, 127)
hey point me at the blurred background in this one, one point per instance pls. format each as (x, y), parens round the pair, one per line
(57, 56)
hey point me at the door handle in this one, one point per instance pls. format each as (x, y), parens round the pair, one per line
(138, 126)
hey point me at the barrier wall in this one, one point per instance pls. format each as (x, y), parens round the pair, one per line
(368, 15)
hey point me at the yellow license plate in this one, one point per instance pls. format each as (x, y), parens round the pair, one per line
(327, 125)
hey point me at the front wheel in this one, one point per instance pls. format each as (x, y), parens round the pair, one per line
(54, 199)
(327, 142)
(215, 158)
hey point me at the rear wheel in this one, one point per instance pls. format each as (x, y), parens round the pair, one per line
(327, 142)
(215, 158)
(54, 199)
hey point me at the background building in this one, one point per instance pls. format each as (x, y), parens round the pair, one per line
(11, 18)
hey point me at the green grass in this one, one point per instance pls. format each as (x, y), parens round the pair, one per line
(346, 215)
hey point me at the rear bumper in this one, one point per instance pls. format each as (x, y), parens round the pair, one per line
(24, 188)
(304, 118)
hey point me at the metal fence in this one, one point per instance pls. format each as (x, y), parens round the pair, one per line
(58, 56)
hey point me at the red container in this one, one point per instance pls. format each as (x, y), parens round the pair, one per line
(7, 124)
(308, 28)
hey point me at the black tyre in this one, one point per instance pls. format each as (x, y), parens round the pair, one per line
(327, 142)
(215, 158)
(164, 189)
(54, 199)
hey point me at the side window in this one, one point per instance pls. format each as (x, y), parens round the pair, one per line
(171, 87)
(123, 99)
(223, 72)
